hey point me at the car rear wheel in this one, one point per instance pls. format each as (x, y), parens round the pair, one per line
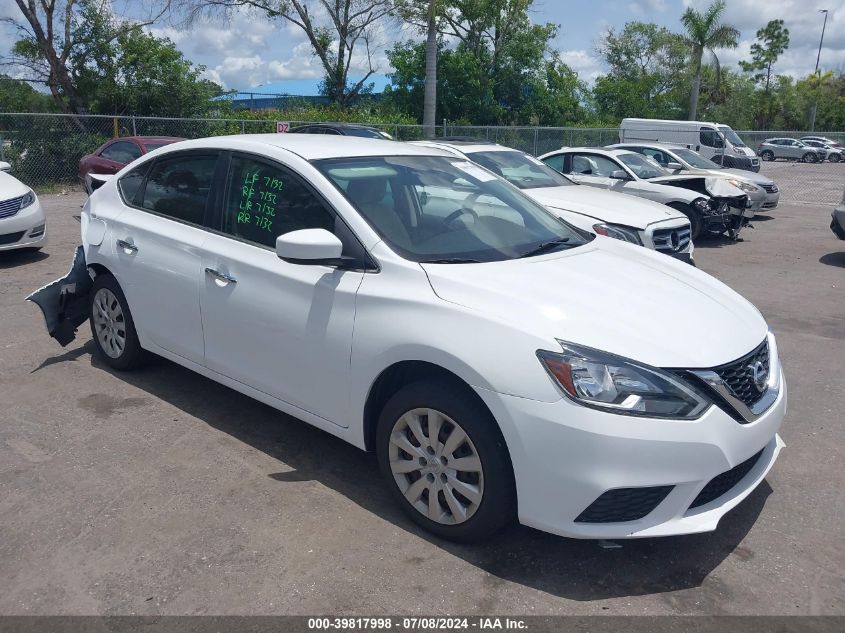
(445, 461)
(112, 326)
(810, 157)
(767, 155)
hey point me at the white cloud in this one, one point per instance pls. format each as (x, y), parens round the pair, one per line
(643, 8)
(587, 65)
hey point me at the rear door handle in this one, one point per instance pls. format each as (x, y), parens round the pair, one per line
(221, 276)
(129, 246)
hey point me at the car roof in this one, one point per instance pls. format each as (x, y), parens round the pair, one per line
(669, 146)
(149, 139)
(312, 147)
(608, 151)
(338, 126)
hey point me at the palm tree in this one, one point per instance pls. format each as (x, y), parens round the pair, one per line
(704, 32)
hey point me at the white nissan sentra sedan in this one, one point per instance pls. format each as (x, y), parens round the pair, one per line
(501, 363)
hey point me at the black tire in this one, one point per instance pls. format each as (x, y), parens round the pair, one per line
(834, 158)
(131, 356)
(494, 511)
(810, 157)
(767, 155)
(693, 216)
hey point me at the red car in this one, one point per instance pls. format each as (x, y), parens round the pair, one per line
(115, 154)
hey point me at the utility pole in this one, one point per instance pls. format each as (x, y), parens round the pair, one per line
(815, 73)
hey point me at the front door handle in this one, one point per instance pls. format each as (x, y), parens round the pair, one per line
(221, 276)
(128, 246)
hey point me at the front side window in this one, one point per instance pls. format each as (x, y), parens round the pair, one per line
(264, 201)
(643, 167)
(178, 187)
(121, 152)
(520, 169)
(710, 137)
(444, 209)
(655, 154)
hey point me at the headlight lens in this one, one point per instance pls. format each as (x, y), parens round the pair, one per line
(616, 231)
(702, 204)
(745, 186)
(27, 199)
(603, 381)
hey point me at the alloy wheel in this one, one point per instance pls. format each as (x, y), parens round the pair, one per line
(109, 323)
(436, 466)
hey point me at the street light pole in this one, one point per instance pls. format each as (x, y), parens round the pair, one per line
(816, 72)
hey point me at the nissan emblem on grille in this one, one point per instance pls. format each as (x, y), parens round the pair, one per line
(759, 374)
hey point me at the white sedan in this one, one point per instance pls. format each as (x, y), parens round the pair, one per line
(23, 224)
(501, 363)
(625, 218)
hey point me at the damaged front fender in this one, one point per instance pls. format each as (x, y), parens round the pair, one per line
(64, 302)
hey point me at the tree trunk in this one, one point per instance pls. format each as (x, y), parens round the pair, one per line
(696, 86)
(430, 99)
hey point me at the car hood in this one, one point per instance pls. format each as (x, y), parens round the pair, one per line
(718, 187)
(611, 296)
(606, 206)
(11, 187)
(757, 179)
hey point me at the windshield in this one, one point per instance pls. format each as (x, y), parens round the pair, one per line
(521, 169)
(732, 137)
(444, 209)
(695, 159)
(643, 167)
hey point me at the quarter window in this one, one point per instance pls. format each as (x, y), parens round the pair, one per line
(121, 152)
(178, 187)
(264, 201)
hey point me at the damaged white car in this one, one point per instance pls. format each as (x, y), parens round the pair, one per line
(711, 204)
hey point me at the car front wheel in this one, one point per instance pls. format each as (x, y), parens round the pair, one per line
(445, 461)
(809, 157)
(767, 155)
(112, 326)
(834, 158)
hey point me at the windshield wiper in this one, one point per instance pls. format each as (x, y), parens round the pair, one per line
(545, 247)
(451, 260)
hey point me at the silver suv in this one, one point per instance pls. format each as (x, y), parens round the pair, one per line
(833, 154)
(790, 149)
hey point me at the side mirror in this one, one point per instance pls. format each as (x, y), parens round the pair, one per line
(310, 247)
(674, 166)
(620, 174)
(4, 166)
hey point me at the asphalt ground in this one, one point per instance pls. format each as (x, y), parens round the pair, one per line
(162, 492)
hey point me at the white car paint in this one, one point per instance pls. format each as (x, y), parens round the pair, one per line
(20, 227)
(585, 207)
(312, 340)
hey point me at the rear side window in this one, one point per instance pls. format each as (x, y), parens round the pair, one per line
(264, 201)
(178, 187)
(121, 152)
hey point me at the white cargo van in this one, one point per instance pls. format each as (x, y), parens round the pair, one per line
(715, 141)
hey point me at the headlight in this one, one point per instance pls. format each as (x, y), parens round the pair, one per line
(603, 381)
(703, 205)
(745, 186)
(616, 231)
(27, 199)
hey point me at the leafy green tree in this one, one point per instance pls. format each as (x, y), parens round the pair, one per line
(20, 96)
(772, 41)
(646, 73)
(706, 33)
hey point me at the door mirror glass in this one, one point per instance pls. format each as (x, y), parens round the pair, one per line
(310, 246)
(619, 174)
(674, 166)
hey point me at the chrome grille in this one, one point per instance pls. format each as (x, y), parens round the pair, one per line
(8, 208)
(671, 240)
(773, 188)
(739, 375)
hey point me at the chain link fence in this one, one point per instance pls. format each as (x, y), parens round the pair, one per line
(44, 149)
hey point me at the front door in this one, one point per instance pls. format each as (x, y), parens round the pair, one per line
(283, 329)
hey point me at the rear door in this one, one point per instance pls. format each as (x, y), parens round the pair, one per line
(157, 257)
(283, 329)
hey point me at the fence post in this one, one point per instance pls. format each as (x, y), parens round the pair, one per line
(2, 154)
(243, 128)
(536, 130)
(134, 131)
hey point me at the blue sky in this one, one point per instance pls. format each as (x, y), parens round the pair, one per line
(250, 52)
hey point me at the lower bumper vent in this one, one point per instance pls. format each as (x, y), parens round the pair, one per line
(721, 484)
(624, 504)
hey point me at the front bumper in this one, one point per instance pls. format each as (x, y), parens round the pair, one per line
(837, 222)
(566, 456)
(26, 229)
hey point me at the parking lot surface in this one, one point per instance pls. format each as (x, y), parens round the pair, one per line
(807, 183)
(161, 492)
